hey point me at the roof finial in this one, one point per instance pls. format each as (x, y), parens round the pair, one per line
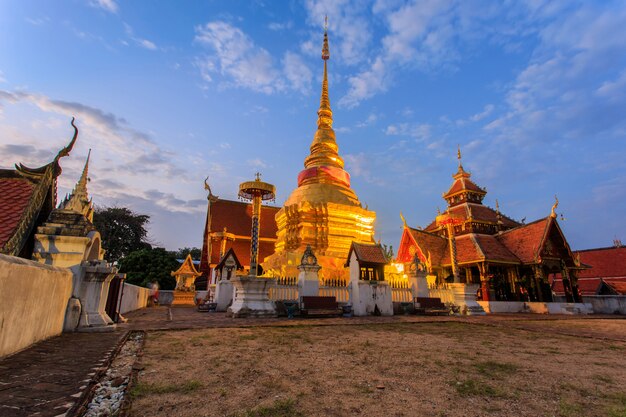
(257, 176)
(556, 204)
(403, 221)
(458, 156)
(497, 206)
(325, 50)
(66, 151)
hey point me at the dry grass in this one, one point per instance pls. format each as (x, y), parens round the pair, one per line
(440, 369)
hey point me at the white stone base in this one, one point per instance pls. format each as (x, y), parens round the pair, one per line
(251, 298)
(223, 294)
(368, 295)
(536, 307)
(465, 299)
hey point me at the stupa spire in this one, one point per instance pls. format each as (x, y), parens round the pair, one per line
(324, 149)
(78, 200)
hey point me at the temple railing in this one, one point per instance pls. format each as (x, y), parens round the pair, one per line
(341, 294)
(401, 291)
(286, 288)
(445, 294)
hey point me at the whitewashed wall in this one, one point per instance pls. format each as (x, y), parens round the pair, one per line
(33, 300)
(134, 298)
(607, 304)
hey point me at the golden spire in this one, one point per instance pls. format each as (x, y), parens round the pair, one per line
(78, 200)
(324, 149)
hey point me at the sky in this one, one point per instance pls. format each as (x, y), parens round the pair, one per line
(167, 93)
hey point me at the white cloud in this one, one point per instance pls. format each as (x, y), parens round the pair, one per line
(278, 26)
(486, 112)
(237, 57)
(2, 78)
(348, 26)
(257, 163)
(371, 119)
(366, 84)
(296, 71)
(108, 5)
(144, 43)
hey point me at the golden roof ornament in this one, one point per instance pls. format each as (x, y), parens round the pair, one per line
(556, 204)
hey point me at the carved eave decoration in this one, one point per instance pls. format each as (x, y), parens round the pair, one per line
(45, 179)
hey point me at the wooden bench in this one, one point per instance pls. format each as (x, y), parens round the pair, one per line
(319, 306)
(431, 306)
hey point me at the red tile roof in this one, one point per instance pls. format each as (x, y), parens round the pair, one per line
(525, 241)
(618, 285)
(604, 262)
(236, 217)
(587, 286)
(368, 253)
(477, 212)
(463, 184)
(15, 194)
(429, 243)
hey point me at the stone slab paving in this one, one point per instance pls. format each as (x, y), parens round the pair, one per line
(49, 378)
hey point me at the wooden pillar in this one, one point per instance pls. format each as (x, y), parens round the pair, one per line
(483, 268)
(538, 279)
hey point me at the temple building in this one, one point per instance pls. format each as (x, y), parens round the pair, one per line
(27, 197)
(228, 227)
(323, 211)
(473, 243)
(605, 275)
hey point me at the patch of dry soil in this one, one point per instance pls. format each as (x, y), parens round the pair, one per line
(409, 369)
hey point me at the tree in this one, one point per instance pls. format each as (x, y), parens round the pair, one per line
(183, 252)
(123, 231)
(388, 252)
(145, 266)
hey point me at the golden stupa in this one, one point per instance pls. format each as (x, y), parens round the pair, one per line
(323, 212)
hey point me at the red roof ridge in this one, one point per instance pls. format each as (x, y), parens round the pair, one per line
(599, 249)
(475, 242)
(523, 225)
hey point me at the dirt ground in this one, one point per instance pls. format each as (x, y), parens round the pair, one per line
(404, 369)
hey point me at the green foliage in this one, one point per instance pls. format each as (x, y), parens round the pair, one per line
(495, 369)
(149, 265)
(183, 252)
(388, 252)
(123, 231)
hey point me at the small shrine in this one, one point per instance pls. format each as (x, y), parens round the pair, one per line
(185, 276)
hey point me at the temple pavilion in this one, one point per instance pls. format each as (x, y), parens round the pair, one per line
(473, 243)
(323, 211)
(227, 228)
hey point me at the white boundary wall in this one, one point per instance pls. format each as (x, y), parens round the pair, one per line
(33, 301)
(134, 298)
(607, 304)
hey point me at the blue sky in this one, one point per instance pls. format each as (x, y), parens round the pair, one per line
(166, 93)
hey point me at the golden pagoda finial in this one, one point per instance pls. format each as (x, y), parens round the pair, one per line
(497, 207)
(403, 221)
(324, 149)
(458, 156)
(556, 204)
(257, 176)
